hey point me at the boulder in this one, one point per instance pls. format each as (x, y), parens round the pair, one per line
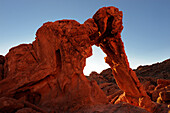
(156, 92)
(165, 96)
(97, 77)
(113, 97)
(9, 105)
(27, 110)
(109, 88)
(164, 82)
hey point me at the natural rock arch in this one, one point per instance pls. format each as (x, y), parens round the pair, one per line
(52, 66)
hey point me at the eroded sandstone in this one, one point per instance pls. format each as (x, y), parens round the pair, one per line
(2, 61)
(49, 72)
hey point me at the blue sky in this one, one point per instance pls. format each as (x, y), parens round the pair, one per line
(146, 33)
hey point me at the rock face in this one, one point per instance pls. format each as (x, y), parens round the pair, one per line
(158, 70)
(105, 76)
(162, 91)
(2, 61)
(10, 105)
(110, 108)
(48, 74)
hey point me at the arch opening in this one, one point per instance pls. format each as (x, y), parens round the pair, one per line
(95, 62)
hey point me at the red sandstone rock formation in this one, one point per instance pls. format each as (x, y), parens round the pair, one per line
(107, 83)
(110, 108)
(2, 61)
(157, 70)
(10, 105)
(157, 89)
(109, 21)
(162, 90)
(49, 72)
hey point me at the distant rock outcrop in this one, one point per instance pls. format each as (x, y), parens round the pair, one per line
(158, 70)
(47, 75)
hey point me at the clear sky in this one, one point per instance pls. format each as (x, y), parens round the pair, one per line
(146, 33)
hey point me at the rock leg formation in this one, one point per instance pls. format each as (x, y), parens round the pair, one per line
(109, 21)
